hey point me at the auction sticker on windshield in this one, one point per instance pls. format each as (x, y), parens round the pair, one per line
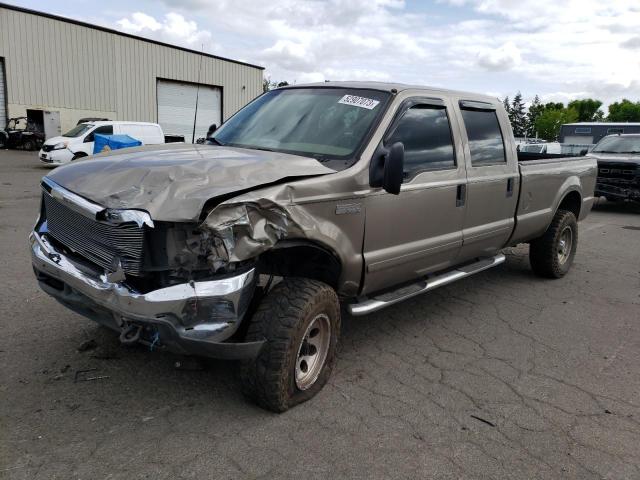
(362, 102)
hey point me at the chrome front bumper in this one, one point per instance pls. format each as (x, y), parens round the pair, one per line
(192, 318)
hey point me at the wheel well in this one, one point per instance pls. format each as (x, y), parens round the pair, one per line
(572, 203)
(302, 259)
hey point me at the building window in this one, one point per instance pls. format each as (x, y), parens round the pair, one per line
(425, 133)
(583, 129)
(613, 131)
(485, 137)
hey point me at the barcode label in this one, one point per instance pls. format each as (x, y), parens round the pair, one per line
(361, 102)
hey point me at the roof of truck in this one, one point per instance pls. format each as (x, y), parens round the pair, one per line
(398, 87)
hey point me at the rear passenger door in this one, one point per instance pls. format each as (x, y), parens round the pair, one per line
(420, 230)
(492, 180)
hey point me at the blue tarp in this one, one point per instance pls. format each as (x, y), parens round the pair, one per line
(106, 143)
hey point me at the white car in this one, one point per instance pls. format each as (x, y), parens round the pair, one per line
(78, 142)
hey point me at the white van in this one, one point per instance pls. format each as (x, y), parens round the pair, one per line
(542, 147)
(78, 142)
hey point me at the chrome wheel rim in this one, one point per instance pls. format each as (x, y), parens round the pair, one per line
(312, 351)
(565, 244)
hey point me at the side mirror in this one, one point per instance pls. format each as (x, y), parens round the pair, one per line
(583, 152)
(387, 168)
(394, 169)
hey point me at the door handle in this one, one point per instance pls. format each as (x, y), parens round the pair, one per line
(461, 195)
(509, 187)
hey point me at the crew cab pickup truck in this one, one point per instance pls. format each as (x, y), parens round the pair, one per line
(311, 201)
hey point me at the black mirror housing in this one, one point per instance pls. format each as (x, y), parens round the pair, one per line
(387, 168)
(394, 169)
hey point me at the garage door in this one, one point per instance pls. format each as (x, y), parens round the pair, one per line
(177, 107)
(3, 97)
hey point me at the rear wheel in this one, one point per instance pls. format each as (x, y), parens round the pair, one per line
(300, 320)
(28, 145)
(552, 254)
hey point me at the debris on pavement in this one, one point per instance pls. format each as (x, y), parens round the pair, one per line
(491, 424)
(87, 345)
(189, 363)
(82, 375)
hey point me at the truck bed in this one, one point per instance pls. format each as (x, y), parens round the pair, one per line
(544, 184)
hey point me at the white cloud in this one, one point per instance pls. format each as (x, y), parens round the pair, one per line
(632, 43)
(139, 22)
(563, 48)
(173, 28)
(499, 59)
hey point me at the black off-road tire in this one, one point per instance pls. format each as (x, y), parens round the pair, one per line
(545, 252)
(283, 318)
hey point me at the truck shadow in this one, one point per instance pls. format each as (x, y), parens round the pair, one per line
(204, 385)
(605, 206)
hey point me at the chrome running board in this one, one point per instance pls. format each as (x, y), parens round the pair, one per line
(377, 302)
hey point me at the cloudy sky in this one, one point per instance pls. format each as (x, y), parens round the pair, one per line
(560, 49)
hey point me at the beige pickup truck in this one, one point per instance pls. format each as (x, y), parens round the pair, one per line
(311, 201)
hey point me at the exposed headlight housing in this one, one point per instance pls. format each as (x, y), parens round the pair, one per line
(115, 215)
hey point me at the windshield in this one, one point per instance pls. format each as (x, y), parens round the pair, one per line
(618, 144)
(532, 148)
(78, 130)
(324, 123)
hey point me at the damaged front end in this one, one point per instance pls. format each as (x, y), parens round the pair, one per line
(236, 232)
(156, 289)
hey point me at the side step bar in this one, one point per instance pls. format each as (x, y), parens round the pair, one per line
(383, 300)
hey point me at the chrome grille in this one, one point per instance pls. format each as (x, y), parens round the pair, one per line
(100, 243)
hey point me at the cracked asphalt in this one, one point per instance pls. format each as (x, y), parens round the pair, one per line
(503, 375)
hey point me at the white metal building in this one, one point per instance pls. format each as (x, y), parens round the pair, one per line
(55, 71)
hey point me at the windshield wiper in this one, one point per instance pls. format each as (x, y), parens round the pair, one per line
(252, 147)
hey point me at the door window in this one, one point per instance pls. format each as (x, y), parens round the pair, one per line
(485, 137)
(425, 132)
(102, 130)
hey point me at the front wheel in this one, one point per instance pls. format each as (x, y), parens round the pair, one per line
(300, 321)
(552, 254)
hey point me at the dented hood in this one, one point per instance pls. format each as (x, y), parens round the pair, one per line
(172, 182)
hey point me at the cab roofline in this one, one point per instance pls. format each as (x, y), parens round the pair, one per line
(393, 88)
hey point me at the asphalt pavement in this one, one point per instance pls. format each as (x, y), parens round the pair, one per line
(503, 375)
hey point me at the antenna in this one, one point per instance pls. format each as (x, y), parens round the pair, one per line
(195, 115)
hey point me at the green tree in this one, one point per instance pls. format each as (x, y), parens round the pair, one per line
(551, 119)
(507, 104)
(267, 84)
(624, 111)
(554, 106)
(588, 109)
(517, 116)
(535, 109)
